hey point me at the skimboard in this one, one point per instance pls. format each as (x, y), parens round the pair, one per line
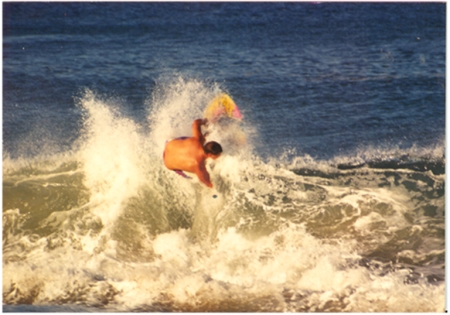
(223, 113)
(222, 106)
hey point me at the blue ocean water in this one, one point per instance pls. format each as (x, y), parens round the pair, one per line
(344, 114)
(339, 76)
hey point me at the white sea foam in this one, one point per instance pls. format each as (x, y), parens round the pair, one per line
(143, 238)
(110, 158)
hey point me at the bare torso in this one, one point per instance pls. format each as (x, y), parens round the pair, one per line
(188, 154)
(183, 154)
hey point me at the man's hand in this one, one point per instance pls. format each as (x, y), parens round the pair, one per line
(205, 123)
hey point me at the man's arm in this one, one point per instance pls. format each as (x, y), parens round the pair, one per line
(197, 130)
(203, 175)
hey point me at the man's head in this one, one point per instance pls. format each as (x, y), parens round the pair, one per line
(213, 149)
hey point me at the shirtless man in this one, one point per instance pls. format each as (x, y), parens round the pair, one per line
(189, 153)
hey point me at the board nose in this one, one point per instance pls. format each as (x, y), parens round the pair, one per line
(237, 113)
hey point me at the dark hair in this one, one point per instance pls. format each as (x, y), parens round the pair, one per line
(213, 148)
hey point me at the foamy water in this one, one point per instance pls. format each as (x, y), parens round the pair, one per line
(107, 227)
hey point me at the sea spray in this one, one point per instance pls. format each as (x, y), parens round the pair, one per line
(173, 106)
(110, 158)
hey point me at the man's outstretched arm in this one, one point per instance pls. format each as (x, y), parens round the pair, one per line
(203, 175)
(197, 130)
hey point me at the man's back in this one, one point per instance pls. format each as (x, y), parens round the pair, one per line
(183, 154)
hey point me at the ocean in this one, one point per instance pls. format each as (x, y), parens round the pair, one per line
(335, 201)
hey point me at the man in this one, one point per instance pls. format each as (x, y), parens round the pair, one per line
(189, 153)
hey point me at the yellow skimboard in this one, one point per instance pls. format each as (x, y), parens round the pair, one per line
(222, 106)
